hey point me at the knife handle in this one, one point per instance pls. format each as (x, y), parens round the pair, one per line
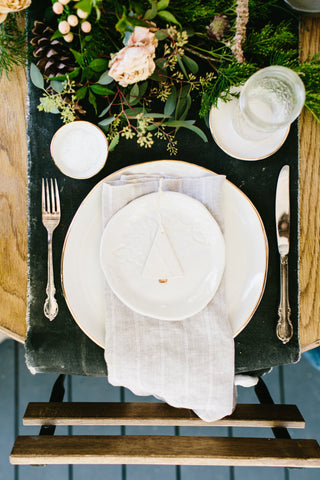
(284, 326)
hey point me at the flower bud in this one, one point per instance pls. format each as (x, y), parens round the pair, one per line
(86, 27)
(73, 20)
(64, 27)
(57, 8)
(64, 2)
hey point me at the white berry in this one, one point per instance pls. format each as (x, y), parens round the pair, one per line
(69, 37)
(57, 8)
(86, 27)
(81, 13)
(73, 20)
(64, 27)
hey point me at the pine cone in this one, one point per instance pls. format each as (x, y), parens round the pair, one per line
(54, 57)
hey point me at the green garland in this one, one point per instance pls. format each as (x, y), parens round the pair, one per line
(12, 45)
(197, 57)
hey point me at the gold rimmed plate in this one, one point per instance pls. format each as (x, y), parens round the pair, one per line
(246, 249)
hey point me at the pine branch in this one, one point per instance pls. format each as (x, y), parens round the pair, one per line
(12, 45)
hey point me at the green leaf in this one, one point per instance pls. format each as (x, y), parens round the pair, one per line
(156, 115)
(36, 76)
(105, 110)
(184, 71)
(114, 142)
(98, 64)
(163, 4)
(56, 34)
(185, 109)
(105, 79)
(81, 93)
(170, 104)
(134, 112)
(168, 17)
(101, 90)
(77, 56)
(160, 35)
(143, 88)
(179, 123)
(191, 64)
(134, 94)
(85, 5)
(122, 24)
(106, 121)
(57, 86)
(151, 12)
(198, 131)
(92, 100)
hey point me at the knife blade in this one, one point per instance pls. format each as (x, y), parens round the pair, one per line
(282, 214)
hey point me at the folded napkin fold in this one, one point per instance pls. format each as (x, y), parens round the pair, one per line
(187, 363)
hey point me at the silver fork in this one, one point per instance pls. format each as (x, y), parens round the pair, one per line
(50, 219)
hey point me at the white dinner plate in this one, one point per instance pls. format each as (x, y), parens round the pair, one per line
(245, 242)
(163, 255)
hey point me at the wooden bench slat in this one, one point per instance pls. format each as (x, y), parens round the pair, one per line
(165, 450)
(78, 413)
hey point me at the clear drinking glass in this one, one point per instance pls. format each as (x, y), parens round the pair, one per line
(271, 99)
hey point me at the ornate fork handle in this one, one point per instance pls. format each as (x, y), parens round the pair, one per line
(284, 326)
(50, 307)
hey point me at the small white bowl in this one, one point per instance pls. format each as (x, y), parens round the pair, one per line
(79, 149)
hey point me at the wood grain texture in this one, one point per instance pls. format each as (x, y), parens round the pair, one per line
(309, 174)
(104, 413)
(165, 450)
(13, 206)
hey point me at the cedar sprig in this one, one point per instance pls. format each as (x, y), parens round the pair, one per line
(12, 45)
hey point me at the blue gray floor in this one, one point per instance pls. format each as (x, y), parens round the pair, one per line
(297, 384)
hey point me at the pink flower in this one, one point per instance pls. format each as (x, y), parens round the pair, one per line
(142, 37)
(131, 65)
(134, 62)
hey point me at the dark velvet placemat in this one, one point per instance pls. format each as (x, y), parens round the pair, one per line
(60, 346)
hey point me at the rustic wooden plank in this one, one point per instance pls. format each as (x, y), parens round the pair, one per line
(165, 450)
(102, 413)
(309, 178)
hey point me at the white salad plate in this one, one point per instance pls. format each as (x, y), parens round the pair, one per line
(246, 253)
(163, 255)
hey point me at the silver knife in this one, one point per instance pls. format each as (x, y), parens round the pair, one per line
(284, 326)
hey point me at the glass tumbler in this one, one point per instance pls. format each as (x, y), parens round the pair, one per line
(271, 99)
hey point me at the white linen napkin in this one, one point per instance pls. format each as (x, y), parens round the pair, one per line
(187, 363)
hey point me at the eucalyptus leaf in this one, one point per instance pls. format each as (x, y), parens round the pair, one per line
(187, 106)
(168, 17)
(134, 94)
(143, 88)
(156, 115)
(105, 110)
(114, 142)
(160, 35)
(36, 76)
(106, 121)
(105, 79)
(198, 131)
(130, 112)
(57, 86)
(179, 123)
(191, 64)
(170, 104)
(184, 71)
